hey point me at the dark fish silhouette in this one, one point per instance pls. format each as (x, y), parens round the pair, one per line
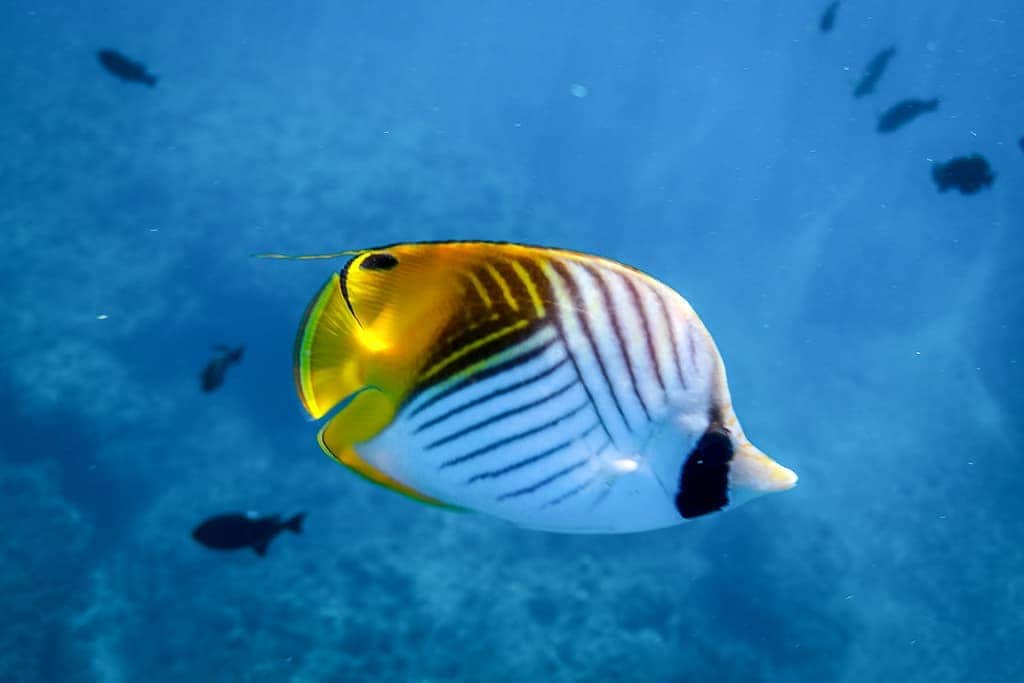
(902, 113)
(213, 374)
(124, 68)
(828, 18)
(237, 530)
(967, 174)
(873, 72)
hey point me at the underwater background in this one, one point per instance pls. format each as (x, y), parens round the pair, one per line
(872, 328)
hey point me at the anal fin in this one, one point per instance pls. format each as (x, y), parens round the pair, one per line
(361, 419)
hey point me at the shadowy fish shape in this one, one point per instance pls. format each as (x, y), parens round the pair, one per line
(828, 18)
(902, 113)
(553, 389)
(873, 72)
(967, 174)
(237, 530)
(125, 68)
(213, 374)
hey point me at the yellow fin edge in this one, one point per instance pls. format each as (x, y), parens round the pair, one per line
(304, 345)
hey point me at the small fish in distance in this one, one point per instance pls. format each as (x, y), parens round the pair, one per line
(237, 530)
(213, 374)
(967, 174)
(873, 72)
(902, 113)
(828, 19)
(124, 68)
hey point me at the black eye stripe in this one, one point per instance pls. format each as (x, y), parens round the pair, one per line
(379, 261)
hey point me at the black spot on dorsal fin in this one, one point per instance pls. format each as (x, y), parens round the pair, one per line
(704, 484)
(378, 261)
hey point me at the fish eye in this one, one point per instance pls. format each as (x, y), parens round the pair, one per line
(378, 261)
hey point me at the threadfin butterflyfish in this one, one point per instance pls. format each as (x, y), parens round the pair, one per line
(553, 389)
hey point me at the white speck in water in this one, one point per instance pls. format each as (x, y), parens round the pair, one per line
(102, 316)
(578, 90)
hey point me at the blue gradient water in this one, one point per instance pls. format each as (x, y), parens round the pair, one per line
(872, 329)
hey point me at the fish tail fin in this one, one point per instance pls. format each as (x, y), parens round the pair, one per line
(236, 354)
(752, 469)
(261, 548)
(327, 352)
(294, 524)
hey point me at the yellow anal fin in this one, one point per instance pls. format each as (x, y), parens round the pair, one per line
(365, 416)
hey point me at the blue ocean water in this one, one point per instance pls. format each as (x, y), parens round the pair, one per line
(872, 328)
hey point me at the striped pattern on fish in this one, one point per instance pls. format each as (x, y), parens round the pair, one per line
(554, 389)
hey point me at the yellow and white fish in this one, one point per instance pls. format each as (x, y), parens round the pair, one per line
(554, 389)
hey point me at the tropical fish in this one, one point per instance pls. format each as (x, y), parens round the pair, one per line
(554, 389)
(213, 374)
(873, 72)
(967, 174)
(125, 68)
(828, 17)
(237, 530)
(902, 113)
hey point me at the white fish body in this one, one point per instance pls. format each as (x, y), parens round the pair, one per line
(606, 411)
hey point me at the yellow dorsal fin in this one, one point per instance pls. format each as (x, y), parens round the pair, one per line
(326, 355)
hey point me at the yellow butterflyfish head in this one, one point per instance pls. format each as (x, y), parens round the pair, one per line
(372, 324)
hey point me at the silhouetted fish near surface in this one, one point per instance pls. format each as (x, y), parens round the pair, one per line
(237, 530)
(967, 174)
(213, 374)
(124, 68)
(902, 113)
(873, 72)
(828, 18)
